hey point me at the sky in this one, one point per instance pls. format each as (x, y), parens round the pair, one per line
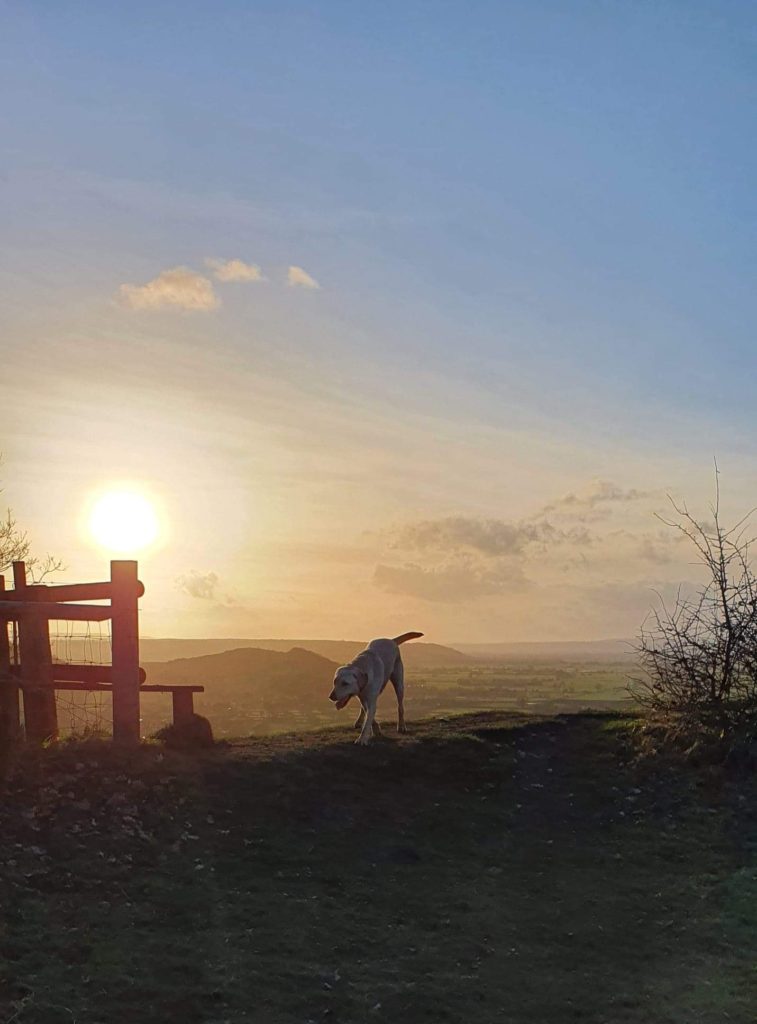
(401, 315)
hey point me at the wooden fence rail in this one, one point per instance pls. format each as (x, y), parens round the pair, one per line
(32, 606)
(34, 675)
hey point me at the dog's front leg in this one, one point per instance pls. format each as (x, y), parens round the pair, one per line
(361, 719)
(365, 736)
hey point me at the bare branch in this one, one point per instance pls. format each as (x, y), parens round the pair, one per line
(699, 657)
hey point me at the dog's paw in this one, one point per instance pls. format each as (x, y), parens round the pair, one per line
(401, 728)
(363, 741)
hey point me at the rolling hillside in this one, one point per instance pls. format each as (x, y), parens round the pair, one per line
(415, 655)
(249, 671)
(248, 689)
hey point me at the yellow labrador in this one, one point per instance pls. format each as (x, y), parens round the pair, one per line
(365, 678)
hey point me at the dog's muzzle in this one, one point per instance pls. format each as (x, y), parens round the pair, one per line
(339, 703)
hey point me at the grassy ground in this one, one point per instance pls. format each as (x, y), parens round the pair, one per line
(485, 868)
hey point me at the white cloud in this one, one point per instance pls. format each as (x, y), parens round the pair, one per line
(198, 584)
(234, 270)
(299, 278)
(179, 287)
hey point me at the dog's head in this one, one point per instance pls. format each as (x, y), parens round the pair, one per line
(347, 680)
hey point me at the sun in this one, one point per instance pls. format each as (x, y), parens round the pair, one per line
(124, 521)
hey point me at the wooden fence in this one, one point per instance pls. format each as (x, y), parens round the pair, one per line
(27, 667)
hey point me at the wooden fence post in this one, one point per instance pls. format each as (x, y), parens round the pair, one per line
(10, 722)
(125, 651)
(40, 711)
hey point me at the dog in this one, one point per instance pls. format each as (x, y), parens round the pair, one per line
(365, 678)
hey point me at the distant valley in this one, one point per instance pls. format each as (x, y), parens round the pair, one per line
(257, 686)
(557, 650)
(251, 689)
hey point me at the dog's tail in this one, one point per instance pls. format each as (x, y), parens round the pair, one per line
(406, 636)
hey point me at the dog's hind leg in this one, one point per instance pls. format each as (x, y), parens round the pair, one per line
(398, 682)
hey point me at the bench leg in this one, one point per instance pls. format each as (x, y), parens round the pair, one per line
(183, 707)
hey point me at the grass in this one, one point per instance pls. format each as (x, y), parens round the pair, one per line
(487, 867)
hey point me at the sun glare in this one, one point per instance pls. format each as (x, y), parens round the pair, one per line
(124, 521)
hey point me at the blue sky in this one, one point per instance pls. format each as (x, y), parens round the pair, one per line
(529, 221)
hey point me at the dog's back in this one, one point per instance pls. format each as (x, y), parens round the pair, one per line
(388, 650)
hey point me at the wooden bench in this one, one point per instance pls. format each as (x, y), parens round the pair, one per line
(183, 696)
(96, 679)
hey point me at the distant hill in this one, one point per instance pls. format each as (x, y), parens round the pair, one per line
(250, 671)
(415, 655)
(561, 650)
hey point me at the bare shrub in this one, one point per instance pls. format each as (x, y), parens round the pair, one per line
(699, 658)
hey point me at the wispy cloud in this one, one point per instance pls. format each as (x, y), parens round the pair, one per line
(299, 278)
(599, 492)
(464, 557)
(491, 538)
(177, 288)
(458, 533)
(459, 579)
(454, 558)
(198, 584)
(234, 270)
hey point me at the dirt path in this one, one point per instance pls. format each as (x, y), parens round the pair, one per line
(521, 873)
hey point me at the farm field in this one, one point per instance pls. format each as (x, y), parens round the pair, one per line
(544, 686)
(255, 692)
(494, 867)
(539, 687)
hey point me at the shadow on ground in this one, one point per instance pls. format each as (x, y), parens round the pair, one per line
(488, 867)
